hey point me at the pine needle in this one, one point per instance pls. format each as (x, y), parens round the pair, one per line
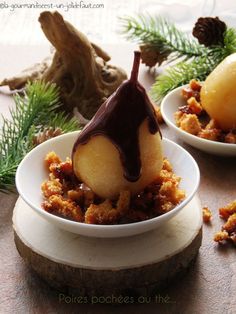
(33, 112)
(198, 67)
(162, 35)
(192, 60)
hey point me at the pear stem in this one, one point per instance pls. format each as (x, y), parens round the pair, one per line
(135, 68)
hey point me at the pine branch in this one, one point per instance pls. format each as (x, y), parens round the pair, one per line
(162, 35)
(179, 75)
(34, 111)
(198, 67)
(192, 60)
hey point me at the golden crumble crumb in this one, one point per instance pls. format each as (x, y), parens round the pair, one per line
(67, 197)
(103, 213)
(76, 195)
(193, 119)
(228, 210)
(221, 236)
(166, 207)
(206, 214)
(178, 115)
(168, 176)
(170, 192)
(167, 165)
(229, 228)
(61, 170)
(51, 158)
(190, 124)
(194, 105)
(63, 207)
(51, 187)
(230, 225)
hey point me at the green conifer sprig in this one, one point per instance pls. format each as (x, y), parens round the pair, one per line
(33, 112)
(161, 34)
(192, 60)
(199, 67)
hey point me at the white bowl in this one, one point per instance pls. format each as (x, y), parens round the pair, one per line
(170, 104)
(31, 173)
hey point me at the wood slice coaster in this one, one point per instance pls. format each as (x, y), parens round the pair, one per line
(96, 266)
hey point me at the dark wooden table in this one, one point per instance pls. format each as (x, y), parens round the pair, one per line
(209, 285)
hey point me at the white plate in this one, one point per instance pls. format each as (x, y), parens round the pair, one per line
(31, 173)
(170, 104)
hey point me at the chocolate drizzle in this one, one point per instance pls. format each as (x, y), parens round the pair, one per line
(119, 119)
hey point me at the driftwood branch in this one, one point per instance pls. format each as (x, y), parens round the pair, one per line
(79, 68)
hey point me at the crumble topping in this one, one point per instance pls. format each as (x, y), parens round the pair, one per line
(193, 119)
(65, 196)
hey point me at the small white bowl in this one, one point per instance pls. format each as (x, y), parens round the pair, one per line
(170, 104)
(31, 173)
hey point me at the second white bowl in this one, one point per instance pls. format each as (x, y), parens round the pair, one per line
(170, 104)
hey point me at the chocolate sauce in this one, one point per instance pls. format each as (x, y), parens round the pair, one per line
(119, 119)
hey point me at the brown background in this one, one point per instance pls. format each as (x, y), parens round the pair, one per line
(208, 287)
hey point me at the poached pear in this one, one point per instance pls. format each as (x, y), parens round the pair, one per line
(120, 148)
(218, 93)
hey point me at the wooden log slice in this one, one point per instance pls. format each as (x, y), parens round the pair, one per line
(100, 267)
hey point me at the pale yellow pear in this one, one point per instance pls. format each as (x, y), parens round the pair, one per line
(98, 164)
(218, 93)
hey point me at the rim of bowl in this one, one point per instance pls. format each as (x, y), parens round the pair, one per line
(42, 212)
(191, 136)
